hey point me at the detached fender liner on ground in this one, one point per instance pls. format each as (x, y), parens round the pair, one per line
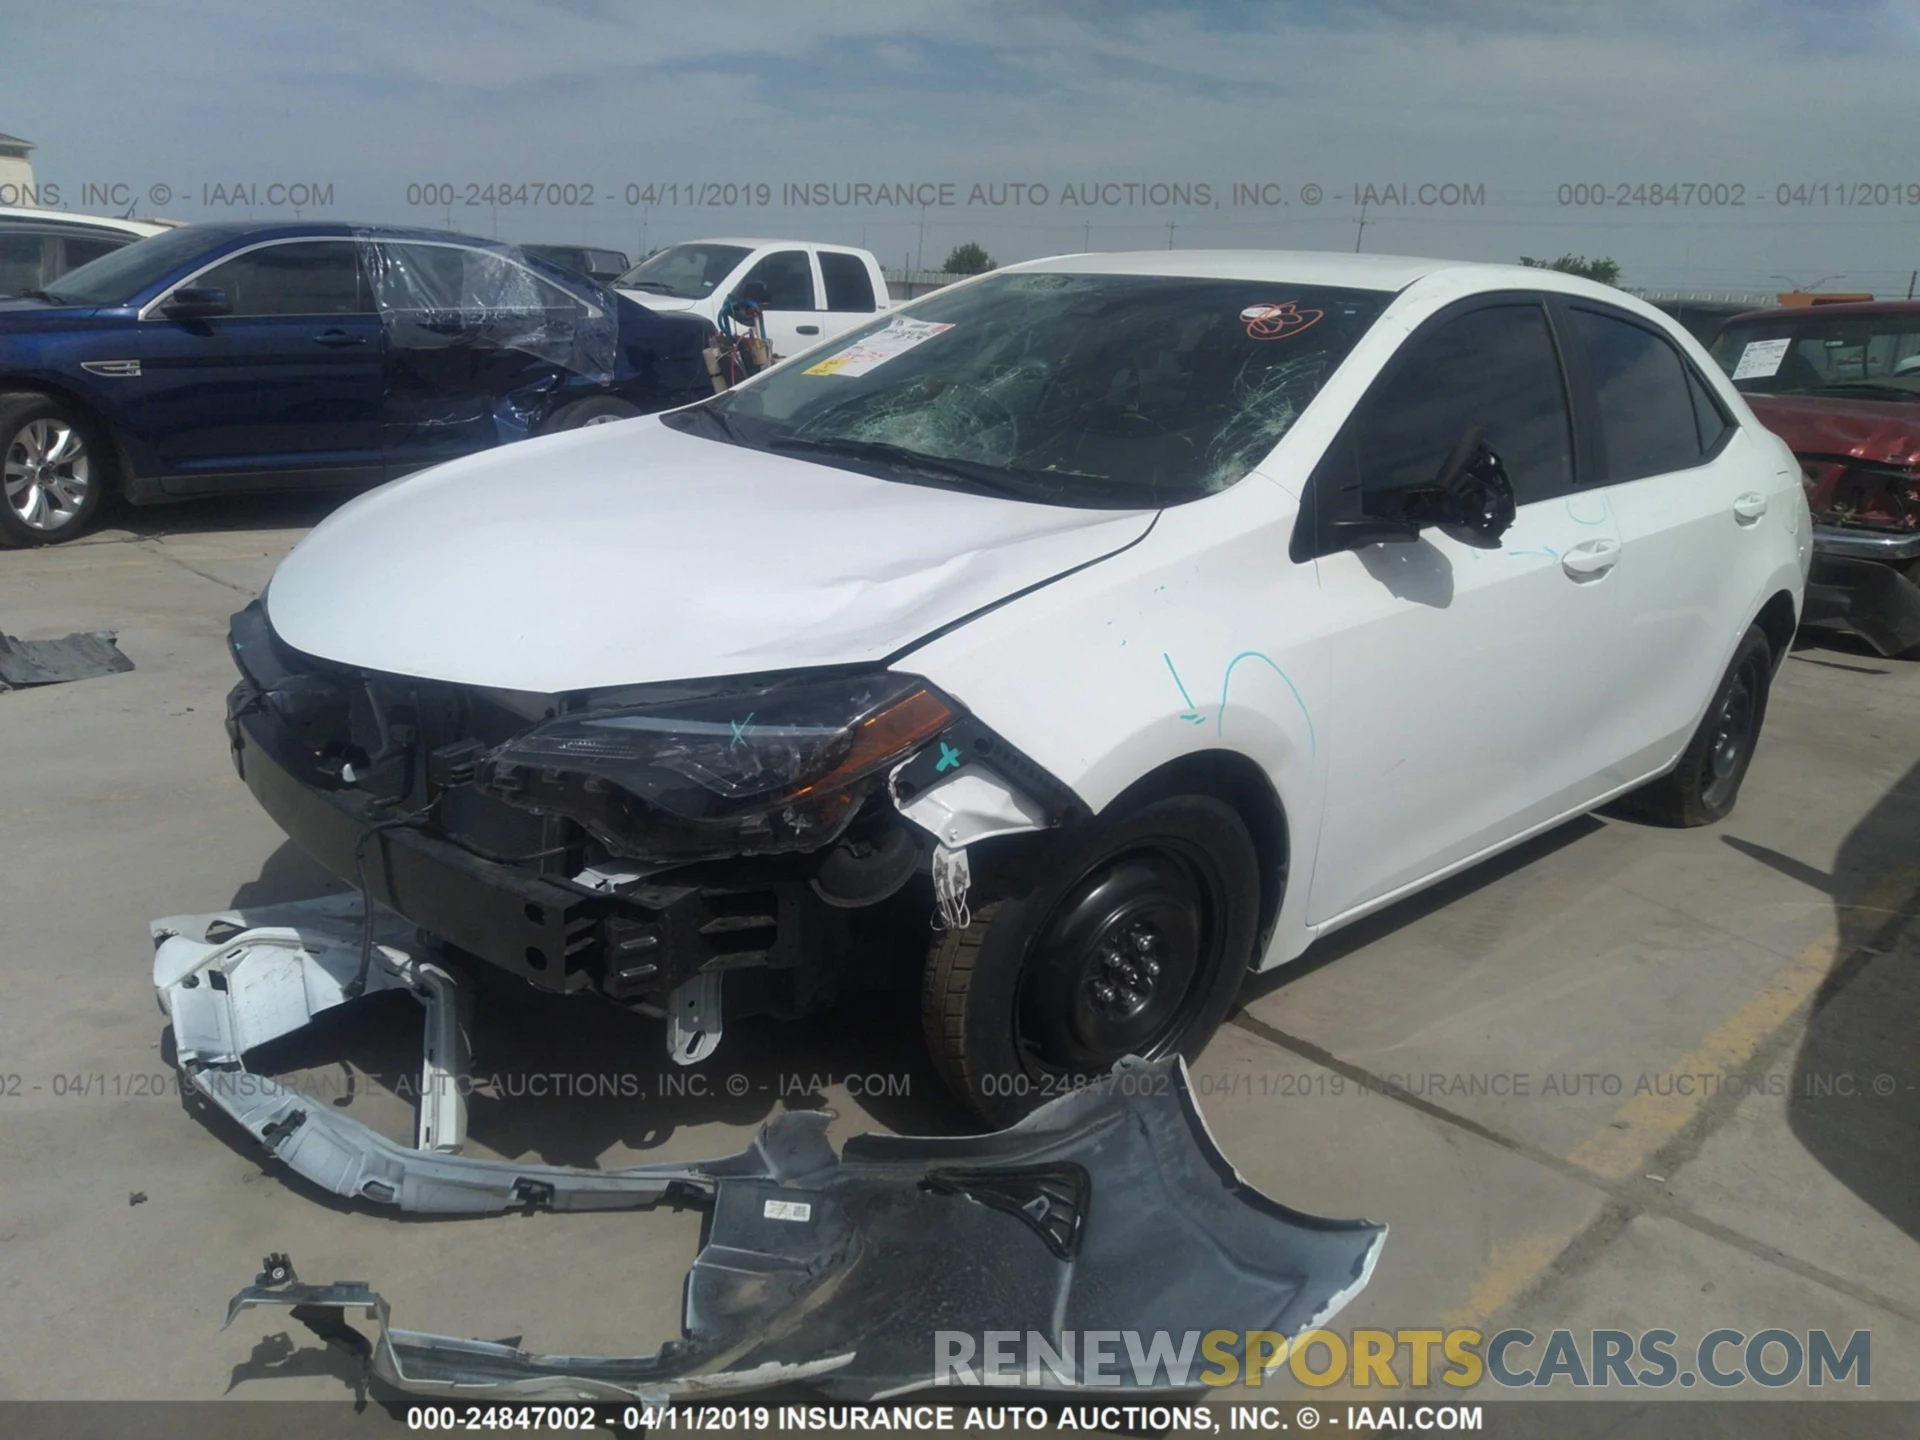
(79, 656)
(1110, 1208)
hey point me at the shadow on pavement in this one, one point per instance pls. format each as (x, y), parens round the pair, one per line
(1855, 1098)
(273, 510)
(1364, 932)
(565, 1079)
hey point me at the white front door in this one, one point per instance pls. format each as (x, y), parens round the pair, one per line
(1465, 674)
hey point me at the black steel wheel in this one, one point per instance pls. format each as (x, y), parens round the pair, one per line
(1133, 940)
(1704, 785)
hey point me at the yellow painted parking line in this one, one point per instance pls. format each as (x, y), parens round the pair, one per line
(1627, 1143)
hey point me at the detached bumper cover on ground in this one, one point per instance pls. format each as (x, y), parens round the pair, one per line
(1109, 1209)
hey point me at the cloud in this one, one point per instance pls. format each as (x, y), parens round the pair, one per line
(1520, 96)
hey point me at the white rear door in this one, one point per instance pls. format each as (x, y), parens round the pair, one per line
(1686, 493)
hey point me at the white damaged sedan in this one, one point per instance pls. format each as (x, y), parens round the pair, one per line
(1135, 619)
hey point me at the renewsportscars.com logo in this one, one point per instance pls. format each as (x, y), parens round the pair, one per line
(1512, 1358)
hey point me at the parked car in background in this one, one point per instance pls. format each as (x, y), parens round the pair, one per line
(251, 357)
(1841, 384)
(1702, 318)
(606, 266)
(807, 293)
(1148, 615)
(37, 246)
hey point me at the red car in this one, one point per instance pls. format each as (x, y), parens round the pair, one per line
(1841, 385)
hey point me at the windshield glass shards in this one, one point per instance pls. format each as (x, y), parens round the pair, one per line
(1088, 390)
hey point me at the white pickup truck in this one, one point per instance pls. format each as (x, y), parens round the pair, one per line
(811, 292)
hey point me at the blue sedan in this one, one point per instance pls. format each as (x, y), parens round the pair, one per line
(219, 358)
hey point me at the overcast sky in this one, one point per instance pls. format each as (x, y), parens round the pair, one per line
(1515, 97)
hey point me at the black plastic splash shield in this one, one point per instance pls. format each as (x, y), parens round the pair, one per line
(1109, 1209)
(79, 656)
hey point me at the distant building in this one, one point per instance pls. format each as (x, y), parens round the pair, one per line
(16, 172)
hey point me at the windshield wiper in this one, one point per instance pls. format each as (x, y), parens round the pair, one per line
(651, 285)
(1012, 484)
(46, 295)
(712, 417)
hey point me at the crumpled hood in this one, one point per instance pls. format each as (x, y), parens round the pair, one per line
(629, 553)
(1881, 432)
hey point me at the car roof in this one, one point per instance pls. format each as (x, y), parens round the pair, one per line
(763, 242)
(221, 231)
(1331, 268)
(1854, 307)
(327, 229)
(73, 219)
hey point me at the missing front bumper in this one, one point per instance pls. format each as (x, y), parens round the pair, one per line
(1109, 1209)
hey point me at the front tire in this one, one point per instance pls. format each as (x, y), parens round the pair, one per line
(1702, 788)
(54, 469)
(1132, 939)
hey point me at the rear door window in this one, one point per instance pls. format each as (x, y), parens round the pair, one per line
(848, 285)
(1649, 424)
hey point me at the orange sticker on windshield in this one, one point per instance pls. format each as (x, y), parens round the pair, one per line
(1276, 322)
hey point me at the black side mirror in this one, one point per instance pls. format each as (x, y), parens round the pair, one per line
(756, 291)
(197, 302)
(1471, 492)
(1373, 529)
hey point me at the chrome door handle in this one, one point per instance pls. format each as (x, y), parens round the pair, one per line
(1750, 506)
(1591, 557)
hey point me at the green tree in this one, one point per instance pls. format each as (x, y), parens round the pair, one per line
(1605, 270)
(968, 259)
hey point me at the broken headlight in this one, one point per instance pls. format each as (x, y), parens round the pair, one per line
(780, 767)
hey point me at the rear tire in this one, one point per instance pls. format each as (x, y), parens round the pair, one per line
(1133, 939)
(1702, 788)
(55, 467)
(594, 410)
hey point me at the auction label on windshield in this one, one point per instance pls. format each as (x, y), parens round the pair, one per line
(864, 355)
(1760, 359)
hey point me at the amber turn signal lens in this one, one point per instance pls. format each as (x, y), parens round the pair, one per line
(885, 736)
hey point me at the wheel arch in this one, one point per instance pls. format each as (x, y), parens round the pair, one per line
(1240, 783)
(1778, 620)
(121, 463)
